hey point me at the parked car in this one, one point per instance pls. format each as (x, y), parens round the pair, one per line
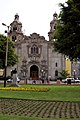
(72, 80)
(18, 80)
(66, 80)
(77, 80)
(11, 80)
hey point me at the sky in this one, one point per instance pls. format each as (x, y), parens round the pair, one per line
(35, 15)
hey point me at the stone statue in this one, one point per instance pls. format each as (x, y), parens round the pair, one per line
(14, 78)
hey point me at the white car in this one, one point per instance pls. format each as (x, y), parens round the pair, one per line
(72, 80)
(64, 80)
(67, 80)
(18, 80)
(11, 80)
(77, 81)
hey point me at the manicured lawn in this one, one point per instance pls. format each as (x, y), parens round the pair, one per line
(56, 93)
(58, 101)
(8, 117)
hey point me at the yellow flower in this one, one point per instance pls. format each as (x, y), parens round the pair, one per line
(25, 89)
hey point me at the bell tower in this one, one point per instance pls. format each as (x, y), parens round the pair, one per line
(52, 26)
(15, 28)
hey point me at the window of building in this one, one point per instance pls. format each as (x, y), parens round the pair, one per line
(14, 28)
(56, 64)
(56, 73)
(13, 38)
(55, 27)
(34, 50)
(37, 50)
(31, 50)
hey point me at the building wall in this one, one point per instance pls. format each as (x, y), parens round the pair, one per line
(68, 66)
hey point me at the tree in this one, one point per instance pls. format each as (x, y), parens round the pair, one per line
(67, 33)
(64, 74)
(12, 57)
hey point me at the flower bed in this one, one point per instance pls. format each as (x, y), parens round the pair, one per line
(25, 89)
(44, 109)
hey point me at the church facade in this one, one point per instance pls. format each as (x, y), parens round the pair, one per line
(37, 58)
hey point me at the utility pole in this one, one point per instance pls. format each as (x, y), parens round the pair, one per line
(6, 57)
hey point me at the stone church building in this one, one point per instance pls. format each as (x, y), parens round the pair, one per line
(37, 58)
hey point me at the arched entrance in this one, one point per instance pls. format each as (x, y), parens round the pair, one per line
(34, 71)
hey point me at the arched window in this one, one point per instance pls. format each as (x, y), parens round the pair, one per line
(56, 73)
(13, 38)
(34, 50)
(14, 28)
(54, 27)
(37, 50)
(56, 64)
(31, 50)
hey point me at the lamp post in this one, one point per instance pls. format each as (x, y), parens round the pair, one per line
(6, 57)
(42, 73)
(74, 74)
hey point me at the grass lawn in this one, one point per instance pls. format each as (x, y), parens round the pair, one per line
(56, 93)
(8, 117)
(64, 93)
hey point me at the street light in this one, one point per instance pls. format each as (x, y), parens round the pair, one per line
(74, 74)
(42, 73)
(6, 57)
